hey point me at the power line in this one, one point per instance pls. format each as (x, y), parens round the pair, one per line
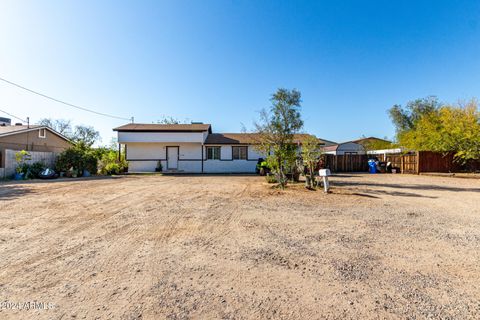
(63, 102)
(11, 115)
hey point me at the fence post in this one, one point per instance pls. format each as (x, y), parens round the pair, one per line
(417, 162)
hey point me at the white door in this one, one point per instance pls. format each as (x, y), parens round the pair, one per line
(172, 158)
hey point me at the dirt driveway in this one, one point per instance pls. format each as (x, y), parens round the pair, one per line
(230, 247)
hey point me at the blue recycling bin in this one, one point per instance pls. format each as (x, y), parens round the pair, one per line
(372, 166)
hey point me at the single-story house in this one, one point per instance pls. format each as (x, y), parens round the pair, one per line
(30, 138)
(189, 148)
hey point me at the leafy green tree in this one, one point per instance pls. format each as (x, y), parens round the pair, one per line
(85, 134)
(376, 144)
(311, 153)
(169, 120)
(406, 118)
(62, 126)
(276, 129)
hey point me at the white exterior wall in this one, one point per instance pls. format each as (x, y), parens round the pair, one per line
(227, 165)
(172, 137)
(143, 157)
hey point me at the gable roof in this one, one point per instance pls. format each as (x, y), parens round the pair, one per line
(11, 130)
(16, 128)
(334, 147)
(246, 138)
(153, 127)
(369, 139)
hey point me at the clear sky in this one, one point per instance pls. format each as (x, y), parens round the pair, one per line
(219, 61)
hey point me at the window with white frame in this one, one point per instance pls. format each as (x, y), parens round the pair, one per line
(42, 133)
(213, 153)
(239, 153)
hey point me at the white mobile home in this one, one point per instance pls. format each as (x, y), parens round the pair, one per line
(188, 148)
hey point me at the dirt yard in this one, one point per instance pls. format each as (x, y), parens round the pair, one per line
(230, 247)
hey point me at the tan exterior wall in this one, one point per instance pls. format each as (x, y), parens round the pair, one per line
(31, 141)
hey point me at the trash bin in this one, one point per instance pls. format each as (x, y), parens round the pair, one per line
(372, 166)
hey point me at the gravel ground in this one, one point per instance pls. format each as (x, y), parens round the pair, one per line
(231, 247)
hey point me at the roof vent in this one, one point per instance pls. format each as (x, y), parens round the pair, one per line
(196, 122)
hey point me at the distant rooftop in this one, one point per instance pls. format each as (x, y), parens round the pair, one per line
(143, 127)
(247, 138)
(16, 128)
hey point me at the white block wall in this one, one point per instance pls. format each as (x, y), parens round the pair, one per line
(171, 137)
(238, 166)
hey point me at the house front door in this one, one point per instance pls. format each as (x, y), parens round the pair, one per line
(172, 158)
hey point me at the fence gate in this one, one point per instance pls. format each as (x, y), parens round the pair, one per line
(409, 163)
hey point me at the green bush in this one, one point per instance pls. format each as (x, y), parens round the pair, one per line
(109, 163)
(79, 157)
(35, 169)
(30, 171)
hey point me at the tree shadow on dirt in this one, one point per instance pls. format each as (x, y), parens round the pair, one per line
(371, 193)
(405, 186)
(10, 192)
(9, 184)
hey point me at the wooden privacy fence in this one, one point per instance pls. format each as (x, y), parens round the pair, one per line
(428, 161)
(47, 158)
(412, 162)
(345, 163)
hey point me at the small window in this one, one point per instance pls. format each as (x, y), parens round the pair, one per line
(42, 133)
(213, 153)
(239, 153)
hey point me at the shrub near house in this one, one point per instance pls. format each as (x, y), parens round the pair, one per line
(80, 158)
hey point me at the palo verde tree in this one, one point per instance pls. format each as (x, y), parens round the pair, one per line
(276, 129)
(311, 153)
(441, 128)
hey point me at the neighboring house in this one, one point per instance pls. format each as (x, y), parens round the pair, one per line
(359, 146)
(30, 138)
(344, 148)
(373, 143)
(189, 148)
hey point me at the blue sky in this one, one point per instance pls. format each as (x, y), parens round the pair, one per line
(219, 61)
